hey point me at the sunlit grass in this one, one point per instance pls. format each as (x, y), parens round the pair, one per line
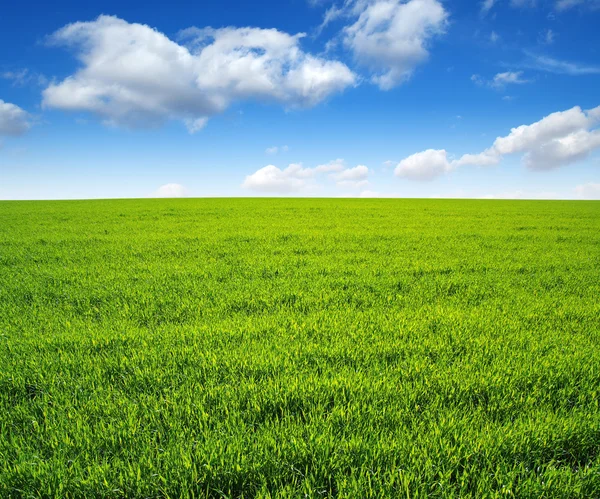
(299, 348)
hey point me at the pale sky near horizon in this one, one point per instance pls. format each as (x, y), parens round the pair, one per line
(361, 98)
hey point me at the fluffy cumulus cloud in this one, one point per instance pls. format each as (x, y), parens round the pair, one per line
(335, 165)
(557, 140)
(588, 191)
(275, 180)
(296, 177)
(171, 191)
(13, 119)
(424, 165)
(352, 177)
(391, 37)
(133, 75)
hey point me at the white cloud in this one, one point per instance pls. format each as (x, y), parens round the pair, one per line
(331, 14)
(352, 184)
(133, 75)
(486, 6)
(547, 37)
(335, 165)
(424, 165)
(352, 177)
(553, 126)
(272, 179)
(494, 37)
(391, 37)
(523, 3)
(477, 79)
(369, 194)
(296, 178)
(551, 65)
(501, 80)
(562, 151)
(590, 190)
(298, 171)
(359, 172)
(557, 140)
(377, 194)
(171, 191)
(520, 194)
(485, 158)
(195, 124)
(17, 77)
(276, 149)
(22, 77)
(569, 4)
(509, 77)
(13, 119)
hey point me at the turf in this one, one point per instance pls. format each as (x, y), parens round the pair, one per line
(300, 348)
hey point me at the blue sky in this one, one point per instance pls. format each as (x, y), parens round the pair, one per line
(410, 98)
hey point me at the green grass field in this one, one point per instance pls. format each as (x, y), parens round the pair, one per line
(300, 348)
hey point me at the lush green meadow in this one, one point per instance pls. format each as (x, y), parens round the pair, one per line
(300, 348)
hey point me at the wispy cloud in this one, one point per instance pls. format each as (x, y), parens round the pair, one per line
(569, 4)
(22, 77)
(486, 6)
(509, 77)
(547, 37)
(271, 151)
(331, 14)
(501, 80)
(523, 3)
(551, 65)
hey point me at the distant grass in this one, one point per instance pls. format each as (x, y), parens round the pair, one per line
(300, 348)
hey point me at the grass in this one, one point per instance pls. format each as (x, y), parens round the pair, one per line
(300, 348)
